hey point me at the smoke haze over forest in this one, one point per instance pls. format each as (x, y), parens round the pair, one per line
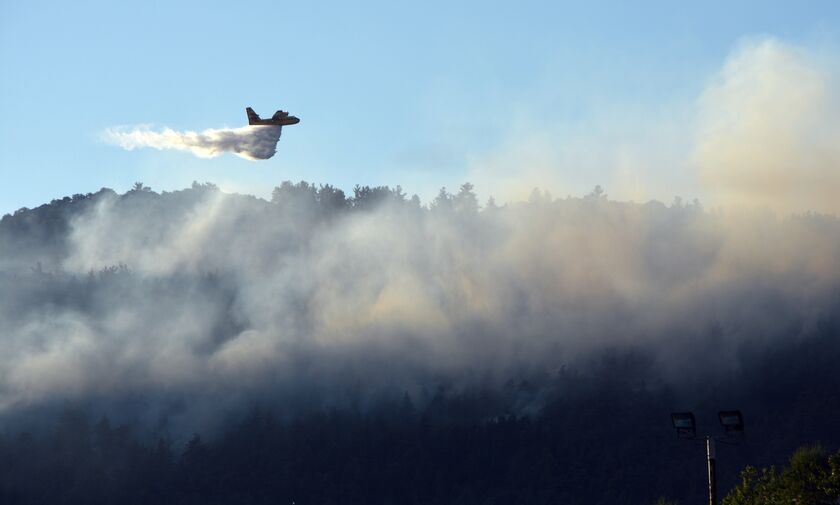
(315, 300)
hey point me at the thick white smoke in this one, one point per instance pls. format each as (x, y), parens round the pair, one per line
(249, 142)
(227, 298)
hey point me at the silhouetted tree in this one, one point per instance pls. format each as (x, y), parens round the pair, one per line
(443, 201)
(465, 200)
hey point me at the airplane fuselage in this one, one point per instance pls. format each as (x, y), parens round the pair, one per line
(280, 118)
(275, 122)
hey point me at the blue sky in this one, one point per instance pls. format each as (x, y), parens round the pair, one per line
(418, 95)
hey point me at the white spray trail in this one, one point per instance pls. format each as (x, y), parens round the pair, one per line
(249, 142)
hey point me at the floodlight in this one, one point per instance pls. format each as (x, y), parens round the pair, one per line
(732, 421)
(684, 424)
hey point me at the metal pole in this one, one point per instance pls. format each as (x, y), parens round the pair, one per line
(710, 459)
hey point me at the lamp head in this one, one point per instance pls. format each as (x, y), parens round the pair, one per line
(732, 421)
(685, 424)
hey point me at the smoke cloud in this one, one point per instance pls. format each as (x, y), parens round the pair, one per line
(768, 130)
(761, 133)
(249, 142)
(197, 301)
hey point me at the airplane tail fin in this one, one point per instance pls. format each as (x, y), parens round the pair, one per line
(252, 116)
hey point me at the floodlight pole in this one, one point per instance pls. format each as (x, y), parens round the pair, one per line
(710, 460)
(732, 422)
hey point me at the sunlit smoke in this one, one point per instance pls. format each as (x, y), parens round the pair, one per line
(769, 134)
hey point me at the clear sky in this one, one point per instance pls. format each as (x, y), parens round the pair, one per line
(421, 94)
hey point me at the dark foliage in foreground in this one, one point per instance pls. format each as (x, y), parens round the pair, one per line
(811, 477)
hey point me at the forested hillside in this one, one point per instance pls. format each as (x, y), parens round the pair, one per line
(202, 347)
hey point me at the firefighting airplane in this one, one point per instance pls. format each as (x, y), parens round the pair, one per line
(280, 118)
